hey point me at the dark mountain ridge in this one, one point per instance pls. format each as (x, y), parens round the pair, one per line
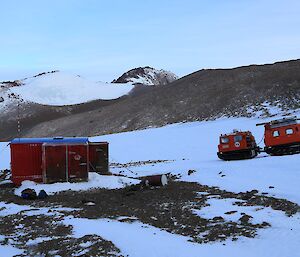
(203, 95)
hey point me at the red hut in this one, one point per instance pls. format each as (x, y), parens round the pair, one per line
(51, 160)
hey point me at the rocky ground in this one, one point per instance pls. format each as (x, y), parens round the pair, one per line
(41, 230)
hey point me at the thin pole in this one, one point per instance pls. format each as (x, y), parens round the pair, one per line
(18, 117)
(67, 164)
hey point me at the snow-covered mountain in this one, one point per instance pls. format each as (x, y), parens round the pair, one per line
(50, 95)
(59, 88)
(147, 76)
(255, 90)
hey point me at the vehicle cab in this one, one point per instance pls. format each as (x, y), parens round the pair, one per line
(237, 145)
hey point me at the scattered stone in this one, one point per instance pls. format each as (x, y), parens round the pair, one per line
(190, 172)
(28, 194)
(218, 219)
(42, 194)
(230, 212)
(88, 202)
(245, 219)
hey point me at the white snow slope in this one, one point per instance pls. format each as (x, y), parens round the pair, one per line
(60, 88)
(193, 146)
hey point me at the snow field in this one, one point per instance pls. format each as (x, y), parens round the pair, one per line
(137, 239)
(61, 88)
(193, 146)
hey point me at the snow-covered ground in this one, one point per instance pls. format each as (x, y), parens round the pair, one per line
(137, 239)
(193, 146)
(4, 155)
(60, 88)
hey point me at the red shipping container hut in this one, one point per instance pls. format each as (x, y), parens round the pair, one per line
(50, 160)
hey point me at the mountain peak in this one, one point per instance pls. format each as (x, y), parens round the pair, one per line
(146, 76)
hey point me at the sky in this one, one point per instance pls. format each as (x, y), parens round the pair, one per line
(101, 39)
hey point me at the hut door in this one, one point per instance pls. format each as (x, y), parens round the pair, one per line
(78, 162)
(99, 157)
(55, 163)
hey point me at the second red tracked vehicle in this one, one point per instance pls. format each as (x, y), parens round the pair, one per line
(282, 137)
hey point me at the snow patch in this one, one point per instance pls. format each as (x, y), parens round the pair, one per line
(12, 209)
(95, 181)
(230, 211)
(9, 251)
(139, 239)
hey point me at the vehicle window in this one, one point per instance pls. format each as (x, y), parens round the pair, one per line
(238, 138)
(276, 133)
(289, 131)
(224, 140)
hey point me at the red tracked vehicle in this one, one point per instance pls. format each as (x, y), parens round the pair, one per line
(237, 145)
(282, 136)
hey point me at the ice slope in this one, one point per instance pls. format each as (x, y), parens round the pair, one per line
(60, 88)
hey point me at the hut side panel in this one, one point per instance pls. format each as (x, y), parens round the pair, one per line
(26, 162)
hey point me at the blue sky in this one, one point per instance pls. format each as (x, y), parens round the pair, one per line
(101, 39)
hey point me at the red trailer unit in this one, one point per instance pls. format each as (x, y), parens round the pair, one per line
(282, 136)
(49, 159)
(98, 157)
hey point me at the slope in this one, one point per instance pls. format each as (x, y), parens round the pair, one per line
(51, 95)
(260, 90)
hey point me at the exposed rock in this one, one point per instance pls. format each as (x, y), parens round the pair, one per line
(147, 76)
